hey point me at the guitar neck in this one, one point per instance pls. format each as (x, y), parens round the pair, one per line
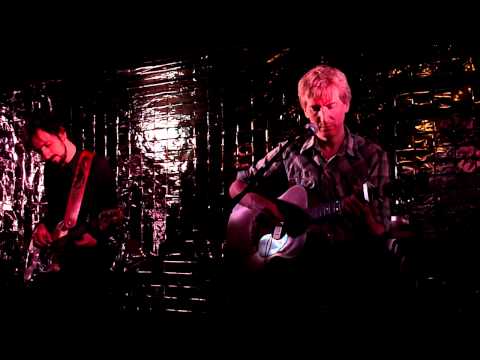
(335, 207)
(328, 209)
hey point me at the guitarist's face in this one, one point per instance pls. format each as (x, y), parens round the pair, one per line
(327, 112)
(50, 146)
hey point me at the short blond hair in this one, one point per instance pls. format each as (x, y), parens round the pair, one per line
(318, 81)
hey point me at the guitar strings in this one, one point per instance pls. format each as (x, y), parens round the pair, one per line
(268, 247)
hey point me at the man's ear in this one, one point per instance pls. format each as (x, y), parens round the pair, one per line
(303, 105)
(62, 134)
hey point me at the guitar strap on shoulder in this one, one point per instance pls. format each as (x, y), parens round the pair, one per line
(82, 171)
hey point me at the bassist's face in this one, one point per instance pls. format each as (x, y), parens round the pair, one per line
(50, 146)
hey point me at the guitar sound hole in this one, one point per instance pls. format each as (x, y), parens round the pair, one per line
(263, 220)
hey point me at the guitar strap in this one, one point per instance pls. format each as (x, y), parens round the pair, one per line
(82, 171)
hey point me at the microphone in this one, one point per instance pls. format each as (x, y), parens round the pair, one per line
(310, 129)
(303, 132)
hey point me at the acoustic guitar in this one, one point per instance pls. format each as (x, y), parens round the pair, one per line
(256, 237)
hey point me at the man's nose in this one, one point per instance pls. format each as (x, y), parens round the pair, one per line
(46, 154)
(320, 114)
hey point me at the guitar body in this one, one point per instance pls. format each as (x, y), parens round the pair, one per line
(254, 239)
(50, 259)
(52, 256)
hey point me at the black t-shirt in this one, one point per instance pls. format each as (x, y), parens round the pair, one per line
(100, 194)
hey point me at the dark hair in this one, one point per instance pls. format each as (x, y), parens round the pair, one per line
(47, 121)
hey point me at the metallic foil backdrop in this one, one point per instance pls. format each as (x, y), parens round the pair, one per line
(177, 130)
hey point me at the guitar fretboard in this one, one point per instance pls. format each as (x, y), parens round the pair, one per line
(332, 208)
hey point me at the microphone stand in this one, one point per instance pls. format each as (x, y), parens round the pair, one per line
(254, 182)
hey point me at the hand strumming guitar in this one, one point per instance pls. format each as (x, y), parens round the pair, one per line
(254, 201)
(43, 238)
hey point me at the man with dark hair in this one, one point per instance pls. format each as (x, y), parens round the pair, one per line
(80, 256)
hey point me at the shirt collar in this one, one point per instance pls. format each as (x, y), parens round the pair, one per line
(349, 145)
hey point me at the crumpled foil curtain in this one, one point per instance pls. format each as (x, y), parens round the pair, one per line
(437, 142)
(176, 132)
(161, 154)
(21, 184)
(156, 127)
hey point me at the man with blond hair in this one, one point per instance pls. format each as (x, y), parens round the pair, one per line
(341, 253)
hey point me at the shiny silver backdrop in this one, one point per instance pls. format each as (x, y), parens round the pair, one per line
(176, 130)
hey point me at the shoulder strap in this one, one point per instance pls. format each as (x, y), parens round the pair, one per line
(77, 190)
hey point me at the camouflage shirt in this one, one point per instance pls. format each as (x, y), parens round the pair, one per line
(358, 160)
